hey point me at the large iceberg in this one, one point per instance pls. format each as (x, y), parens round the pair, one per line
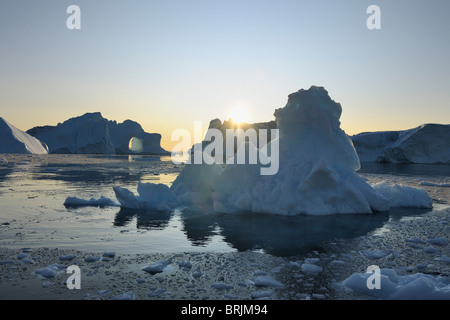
(316, 173)
(428, 143)
(14, 140)
(91, 133)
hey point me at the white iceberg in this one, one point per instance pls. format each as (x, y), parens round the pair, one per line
(317, 172)
(428, 143)
(14, 140)
(91, 133)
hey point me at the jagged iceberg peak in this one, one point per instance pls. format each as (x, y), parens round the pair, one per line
(309, 107)
(310, 129)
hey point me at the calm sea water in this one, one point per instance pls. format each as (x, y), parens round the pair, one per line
(33, 189)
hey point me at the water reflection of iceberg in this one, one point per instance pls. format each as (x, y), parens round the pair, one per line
(277, 234)
(282, 235)
(155, 220)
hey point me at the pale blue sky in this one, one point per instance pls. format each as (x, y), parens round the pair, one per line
(167, 63)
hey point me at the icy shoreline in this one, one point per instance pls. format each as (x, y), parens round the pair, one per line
(415, 246)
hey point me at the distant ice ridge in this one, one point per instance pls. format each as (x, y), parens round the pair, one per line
(317, 172)
(91, 133)
(428, 143)
(13, 140)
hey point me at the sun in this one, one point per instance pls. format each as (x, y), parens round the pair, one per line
(239, 114)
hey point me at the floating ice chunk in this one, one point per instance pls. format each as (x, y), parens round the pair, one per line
(185, 265)
(310, 268)
(438, 241)
(404, 196)
(22, 255)
(222, 286)
(27, 260)
(157, 267)
(430, 249)
(50, 271)
(151, 196)
(109, 254)
(197, 274)
(101, 202)
(266, 281)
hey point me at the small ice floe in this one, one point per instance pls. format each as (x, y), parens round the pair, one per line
(266, 281)
(67, 257)
(311, 269)
(185, 265)
(157, 267)
(197, 273)
(22, 255)
(430, 249)
(437, 241)
(100, 202)
(109, 254)
(50, 271)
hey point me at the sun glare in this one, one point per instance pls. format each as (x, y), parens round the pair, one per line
(239, 114)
